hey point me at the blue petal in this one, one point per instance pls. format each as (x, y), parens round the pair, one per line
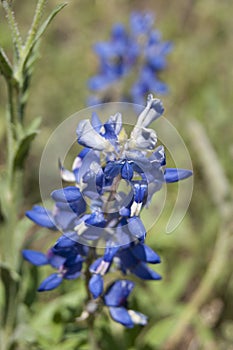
(41, 216)
(141, 23)
(116, 122)
(75, 208)
(128, 259)
(83, 152)
(34, 257)
(109, 253)
(157, 106)
(158, 86)
(92, 233)
(96, 285)
(96, 219)
(66, 175)
(95, 122)
(88, 137)
(73, 267)
(109, 133)
(158, 158)
(121, 315)
(140, 192)
(136, 227)
(127, 171)
(72, 276)
(78, 161)
(119, 32)
(94, 266)
(91, 157)
(157, 63)
(153, 110)
(144, 253)
(124, 211)
(67, 194)
(66, 241)
(103, 49)
(65, 219)
(142, 271)
(99, 82)
(112, 169)
(118, 293)
(57, 261)
(51, 282)
(174, 175)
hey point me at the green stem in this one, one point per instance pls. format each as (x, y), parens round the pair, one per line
(10, 135)
(16, 78)
(92, 338)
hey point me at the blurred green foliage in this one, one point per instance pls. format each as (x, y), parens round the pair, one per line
(199, 74)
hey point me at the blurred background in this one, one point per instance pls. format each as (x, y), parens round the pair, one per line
(197, 285)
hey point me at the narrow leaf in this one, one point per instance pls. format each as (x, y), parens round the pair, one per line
(46, 23)
(23, 149)
(17, 40)
(34, 125)
(5, 66)
(31, 47)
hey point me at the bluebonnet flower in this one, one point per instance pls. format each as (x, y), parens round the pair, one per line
(139, 51)
(66, 256)
(116, 299)
(112, 217)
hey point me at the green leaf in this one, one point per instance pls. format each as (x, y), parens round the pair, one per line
(23, 149)
(34, 126)
(48, 327)
(26, 137)
(21, 229)
(30, 50)
(8, 273)
(3, 190)
(45, 315)
(46, 23)
(10, 279)
(17, 40)
(5, 66)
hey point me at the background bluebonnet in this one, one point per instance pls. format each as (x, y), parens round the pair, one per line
(136, 53)
(112, 219)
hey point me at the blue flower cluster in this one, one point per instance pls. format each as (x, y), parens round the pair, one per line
(140, 51)
(114, 177)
